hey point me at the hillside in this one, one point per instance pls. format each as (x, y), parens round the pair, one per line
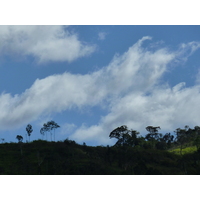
(68, 158)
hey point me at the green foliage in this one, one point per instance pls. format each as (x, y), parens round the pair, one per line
(186, 150)
(154, 154)
(153, 136)
(67, 157)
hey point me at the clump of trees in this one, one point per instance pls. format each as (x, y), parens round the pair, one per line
(124, 136)
(155, 140)
(50, 127)
(188, 136)
(131, 154)
(132, 138)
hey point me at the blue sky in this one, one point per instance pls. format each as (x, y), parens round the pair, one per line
(92, 79)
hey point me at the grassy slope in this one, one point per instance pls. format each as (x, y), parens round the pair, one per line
(41, 157)
(186, 150)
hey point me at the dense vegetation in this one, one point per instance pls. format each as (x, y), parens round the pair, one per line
(154, 154)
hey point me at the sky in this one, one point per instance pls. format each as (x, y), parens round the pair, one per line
(92, 79)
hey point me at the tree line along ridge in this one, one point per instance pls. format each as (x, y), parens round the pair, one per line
(132, 138)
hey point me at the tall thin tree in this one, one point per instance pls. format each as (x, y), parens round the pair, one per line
(51, 125)
(48, 127)
(29, 130)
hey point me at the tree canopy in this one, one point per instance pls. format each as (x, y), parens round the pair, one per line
(29, 130)
(48, 127)
(125, 136)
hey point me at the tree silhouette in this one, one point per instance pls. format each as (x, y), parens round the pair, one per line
(20, 138)
(196, 141)
(52, 126)
(43, 130)
(125, 137)
(48, 127)
(29, 130)
(153, 135)
(167, 139)
(181, 137)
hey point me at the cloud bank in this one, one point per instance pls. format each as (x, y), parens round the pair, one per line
(44, 43)
(129, 87)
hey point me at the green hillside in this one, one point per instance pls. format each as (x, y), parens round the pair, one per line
(186, 150)
(68, 158)
(132, 154)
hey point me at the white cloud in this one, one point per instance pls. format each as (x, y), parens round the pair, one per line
(45, 43)
(102, 35)
(128, 86)
(186, 50)
(163, 106)
(169, 108)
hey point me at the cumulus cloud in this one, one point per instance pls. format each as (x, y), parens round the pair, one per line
(165, 107)
(45, 43)
(52, 94)
(129, 87)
